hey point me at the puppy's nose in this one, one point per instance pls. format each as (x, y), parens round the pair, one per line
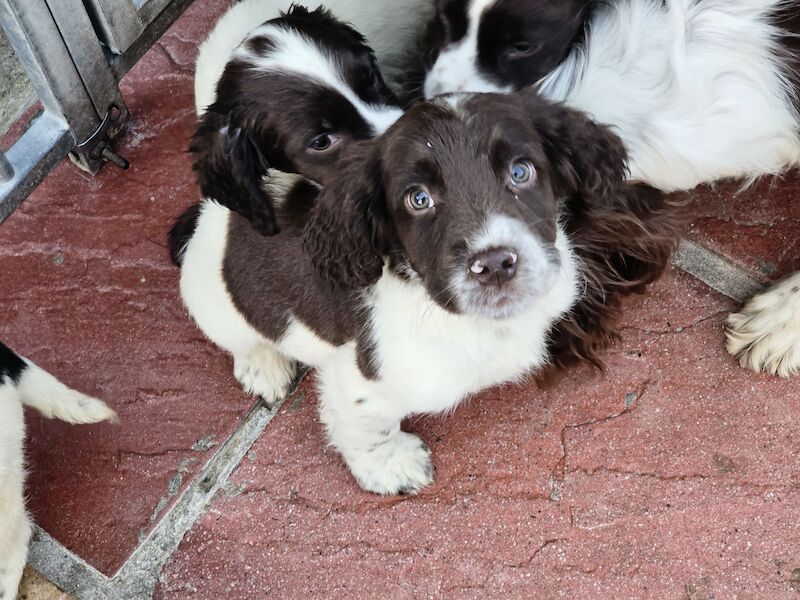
(495, 266)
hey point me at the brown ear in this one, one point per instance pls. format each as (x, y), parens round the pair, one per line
(349, 229)
(587, 158)
(230, 168)
(623, 246)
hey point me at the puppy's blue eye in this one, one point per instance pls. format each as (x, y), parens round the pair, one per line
(419, 199)
(521, 172)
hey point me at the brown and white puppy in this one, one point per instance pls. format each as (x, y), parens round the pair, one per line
(293, 94)
(437, 264)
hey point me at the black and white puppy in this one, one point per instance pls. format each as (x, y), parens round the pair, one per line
(22, 382)
(698, 91)
(436, 264)
(293, 94)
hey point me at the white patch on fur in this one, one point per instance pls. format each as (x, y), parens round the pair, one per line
(297, 54)
(391, 28)
(456, 67)
(429, 359)
(42, 391)
(765, 335)
(537, 270)
(15, 526)
(696, 90)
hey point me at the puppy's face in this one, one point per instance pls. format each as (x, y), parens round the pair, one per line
(296, 92)
(463, 194)
(468, 190)
(499, 45)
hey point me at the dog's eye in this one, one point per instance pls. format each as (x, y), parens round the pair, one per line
(520, 50)
(521, 172)
(323, 142)
(419, 199)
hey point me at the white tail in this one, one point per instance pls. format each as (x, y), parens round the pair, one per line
(40, 390)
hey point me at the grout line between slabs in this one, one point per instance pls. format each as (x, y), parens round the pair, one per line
(716, 271)
(138, 577)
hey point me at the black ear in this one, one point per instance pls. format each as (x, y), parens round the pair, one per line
(230, 168)
(349, 229)
(588, 159)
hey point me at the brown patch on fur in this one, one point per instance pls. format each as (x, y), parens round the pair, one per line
(624, 246)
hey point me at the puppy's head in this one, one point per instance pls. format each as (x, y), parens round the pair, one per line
(499, 45)
(464, 193)
(294, 94)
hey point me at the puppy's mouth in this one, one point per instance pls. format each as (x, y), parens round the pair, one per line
(506, 300)
(507, 271)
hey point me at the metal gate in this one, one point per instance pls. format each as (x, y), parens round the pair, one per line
(74, 52)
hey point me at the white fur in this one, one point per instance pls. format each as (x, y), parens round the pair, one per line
(765, 334)
(295, 53)
(429, 359)
(391, 28)
(52, 398)
(456, 67)
(696, 90)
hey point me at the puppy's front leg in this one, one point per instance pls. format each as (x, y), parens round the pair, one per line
(365, 429)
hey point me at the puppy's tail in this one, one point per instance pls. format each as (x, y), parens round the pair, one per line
(181, 232)
(40, 390)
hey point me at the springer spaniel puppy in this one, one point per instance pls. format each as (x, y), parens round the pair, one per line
(292, 95)
(698, 91)
(22, 382)
(437, 264)
(392, 28)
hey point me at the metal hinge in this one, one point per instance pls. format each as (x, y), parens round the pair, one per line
(91, 154)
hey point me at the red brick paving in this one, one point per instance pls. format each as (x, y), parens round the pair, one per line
(674, 474)
(88, 292)
(758, 228)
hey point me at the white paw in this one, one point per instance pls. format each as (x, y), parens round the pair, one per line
(265, 373)
(400, 465)
(765, 335)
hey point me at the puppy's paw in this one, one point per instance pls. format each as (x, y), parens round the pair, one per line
(265, 373)
(400, 465)
(765, 335)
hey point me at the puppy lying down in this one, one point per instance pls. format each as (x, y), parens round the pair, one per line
(478, 239)
(22, 382)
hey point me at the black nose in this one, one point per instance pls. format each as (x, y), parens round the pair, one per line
(495, 266)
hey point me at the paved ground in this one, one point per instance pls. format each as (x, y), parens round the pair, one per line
(672, 474)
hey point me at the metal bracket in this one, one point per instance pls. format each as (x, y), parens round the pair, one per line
(92, 153)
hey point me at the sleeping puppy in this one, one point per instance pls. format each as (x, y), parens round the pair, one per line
(22, 382)
(435, 265)
(293, 94)
(698, 91)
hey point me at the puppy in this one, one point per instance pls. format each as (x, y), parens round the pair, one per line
(437, 264)
(22, 382)
(293, 94)
(698, 91)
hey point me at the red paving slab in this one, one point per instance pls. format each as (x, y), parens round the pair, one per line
(758, 228)
(674, 474)
(88, 292)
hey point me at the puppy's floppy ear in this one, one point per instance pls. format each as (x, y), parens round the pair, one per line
(230, 167)
(349, 230)
(623, 246)
(587, 158)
